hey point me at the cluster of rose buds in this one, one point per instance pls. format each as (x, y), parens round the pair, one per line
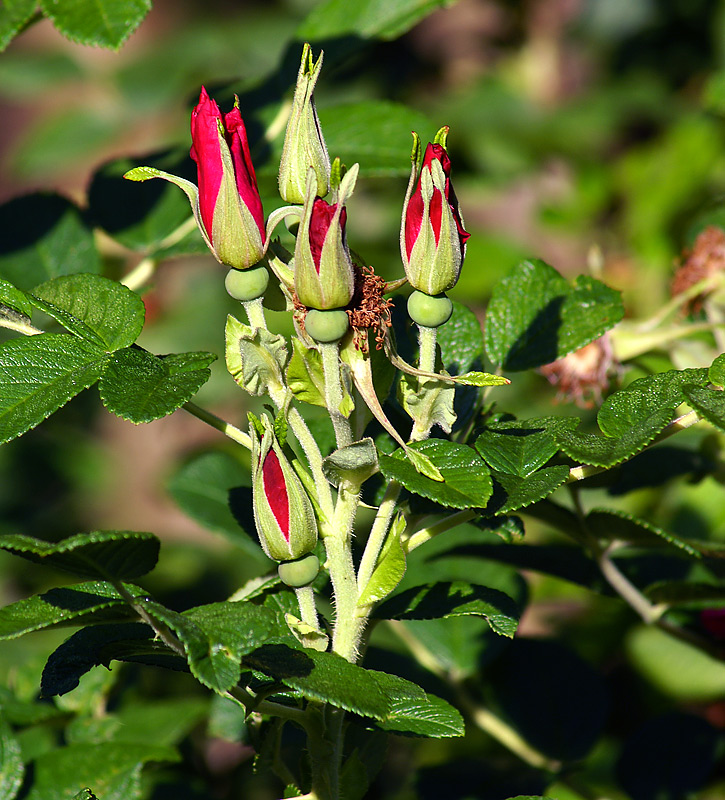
(228, 210)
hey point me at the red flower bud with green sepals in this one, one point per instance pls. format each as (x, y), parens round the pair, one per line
(323, 268)
(283, 512)
(432, 236)
(230, 207)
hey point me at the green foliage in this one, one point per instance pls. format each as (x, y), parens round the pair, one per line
(535, 316)
(466, 480)
(615, 554)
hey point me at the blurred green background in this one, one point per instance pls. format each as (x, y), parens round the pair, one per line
(588, 133)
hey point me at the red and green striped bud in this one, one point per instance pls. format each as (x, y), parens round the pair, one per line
(304, 146)
(230, 208)
(432, 237)
(324, 272)
(283, 512)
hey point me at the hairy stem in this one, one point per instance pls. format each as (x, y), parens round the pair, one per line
(308, 609)
(346, 633)
(255, 313)
(314, 457)
(334, 392)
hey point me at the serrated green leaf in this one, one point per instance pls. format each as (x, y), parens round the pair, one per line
(511, 492)
(453, 599)
(535, 316)
(102, 311)
(716, 373)
(95, 601)
(432, 717)
(206, 486)
(625, 409)
(104, 23)
(322, 676)
(13, 15)
(466, 484)
(255, 357)
(100, 554)
(84, 650)
(520, 447)
(481, 379)
(12, 769)
(355, 462)
(389, 569)
(606, 451)
(141, 387)
(216, 636)
(44, 236)
(385, 19)
(14, 299)
(613, 524)
(39, 374)
(113, 770)
(708, 402)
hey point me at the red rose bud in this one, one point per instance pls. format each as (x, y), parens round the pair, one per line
(304, 146)
(432, 237)
(229, 203)
(283, 512)
(324, 273)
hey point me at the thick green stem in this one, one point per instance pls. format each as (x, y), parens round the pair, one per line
(255, 313)
(427, 339)
(346, 633)
(308, 609)
(334, 392)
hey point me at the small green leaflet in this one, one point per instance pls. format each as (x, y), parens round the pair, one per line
(12, 769)
(255, 358)
(389, 569)
(141, 387)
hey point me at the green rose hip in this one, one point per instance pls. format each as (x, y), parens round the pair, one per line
(430, 311)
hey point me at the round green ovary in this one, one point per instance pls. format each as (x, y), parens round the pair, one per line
(246, 284)
(299, 573)
(429, 311)
(326, 326)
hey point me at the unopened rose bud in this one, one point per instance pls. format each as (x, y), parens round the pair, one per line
(432, 237)
(324, 272)
(304, 146)
(229, 202)
(283, 512)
